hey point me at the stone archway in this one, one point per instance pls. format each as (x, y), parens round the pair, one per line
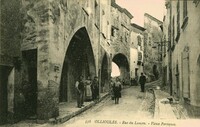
(123, 64)
(105, 76)
(79, 60)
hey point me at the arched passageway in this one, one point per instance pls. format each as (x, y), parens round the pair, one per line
(79, 60)
(122, 62)
(105, 76)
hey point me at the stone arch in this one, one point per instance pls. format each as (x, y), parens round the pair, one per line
(78, 60)
(122, 62)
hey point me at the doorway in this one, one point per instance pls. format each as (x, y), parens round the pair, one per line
(4, 72)
(30, 83)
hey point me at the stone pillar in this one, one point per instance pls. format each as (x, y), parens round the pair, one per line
(37, 17)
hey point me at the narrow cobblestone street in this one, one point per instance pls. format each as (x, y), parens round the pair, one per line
(133, 105)
(62, 61)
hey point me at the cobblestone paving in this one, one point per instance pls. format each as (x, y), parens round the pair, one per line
(133, 105)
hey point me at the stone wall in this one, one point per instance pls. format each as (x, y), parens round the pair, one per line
(122, 32)
(185, 44)
(10, 56)
(49, 28)
(137, 45)
(40, 39)
(152, 39)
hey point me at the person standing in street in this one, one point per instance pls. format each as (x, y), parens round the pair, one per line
(142, 82)
(117, 90)
(112, 83)
(80, 91)
(88, 92)
(95, 88)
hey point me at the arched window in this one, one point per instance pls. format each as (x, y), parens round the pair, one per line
(139, 40)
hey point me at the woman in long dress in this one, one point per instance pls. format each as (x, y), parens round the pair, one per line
(117, 90)
(88, 92)
(95, 89)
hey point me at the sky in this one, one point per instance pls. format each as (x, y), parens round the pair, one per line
(137, 8)
(115, 70)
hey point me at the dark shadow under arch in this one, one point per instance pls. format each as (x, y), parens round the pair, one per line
(79, 60)
(105, 76)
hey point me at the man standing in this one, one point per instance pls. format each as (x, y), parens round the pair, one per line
(142, 81)
(80, 92)
(95, 88)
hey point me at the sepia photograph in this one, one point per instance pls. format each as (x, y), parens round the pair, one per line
(99, 63)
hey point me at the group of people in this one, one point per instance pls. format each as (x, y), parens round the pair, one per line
(90, 89)
(86, 88)
(116, 87)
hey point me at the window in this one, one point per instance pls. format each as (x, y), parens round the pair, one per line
(97, 22)
(185, 17)
(139, 56)
(126, 36)
(139, 40)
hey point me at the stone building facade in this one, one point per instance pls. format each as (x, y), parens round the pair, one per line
(184, 45)
(60, 36)
(152, 56)
(47, 45)
(136, 51)
(10, 39)
(120, 39)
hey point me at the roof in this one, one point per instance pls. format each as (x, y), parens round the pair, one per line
(153, 18)
(122, 10)
(138, 27)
